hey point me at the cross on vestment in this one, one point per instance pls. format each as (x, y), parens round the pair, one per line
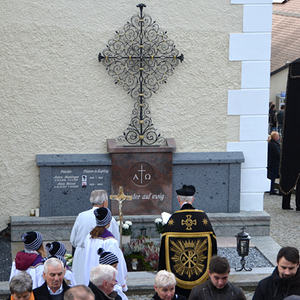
(121, 197)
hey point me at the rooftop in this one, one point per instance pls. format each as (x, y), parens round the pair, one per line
(285, 34)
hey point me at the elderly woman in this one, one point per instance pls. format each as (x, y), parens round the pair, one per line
(165, 286)
(21, 287)
(101, 237)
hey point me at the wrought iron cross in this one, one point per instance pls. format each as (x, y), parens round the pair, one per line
(140, 57)
(121, 197)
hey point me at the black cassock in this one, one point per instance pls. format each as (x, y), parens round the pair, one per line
(290, 154)
(187, 246)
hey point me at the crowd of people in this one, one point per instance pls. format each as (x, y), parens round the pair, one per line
(189, 267)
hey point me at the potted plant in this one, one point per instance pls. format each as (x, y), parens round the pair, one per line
(126, 231)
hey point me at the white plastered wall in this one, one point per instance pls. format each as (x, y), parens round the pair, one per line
(253, 49)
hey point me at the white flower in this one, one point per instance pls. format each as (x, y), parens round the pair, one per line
(158, 220)
(129, 223)
(125, 226)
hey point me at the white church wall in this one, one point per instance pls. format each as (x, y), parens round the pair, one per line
(253, 48)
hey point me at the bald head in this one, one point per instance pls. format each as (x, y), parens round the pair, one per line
(79, 292)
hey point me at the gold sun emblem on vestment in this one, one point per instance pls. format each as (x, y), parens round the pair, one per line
(188, 222)
(188, 256)
(205, 221)
(171, 222)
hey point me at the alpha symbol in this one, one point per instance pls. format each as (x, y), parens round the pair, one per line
(141, 174)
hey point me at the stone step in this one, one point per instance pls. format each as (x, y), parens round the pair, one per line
(257, 223)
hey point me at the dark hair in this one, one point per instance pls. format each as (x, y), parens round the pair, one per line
(289, 253)
(219, 264)
(282, 106)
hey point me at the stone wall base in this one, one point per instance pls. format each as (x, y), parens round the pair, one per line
(257, 223)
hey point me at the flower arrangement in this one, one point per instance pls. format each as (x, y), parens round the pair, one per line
(145, 249)
(160, 225)
(69, 259)
(126, 227)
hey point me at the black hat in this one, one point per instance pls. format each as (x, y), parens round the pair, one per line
(33, 240)
(56, 248)
(103, 216)
(107, 258)
(186, 190)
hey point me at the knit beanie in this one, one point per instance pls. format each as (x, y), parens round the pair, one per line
(107, 258)
(33, 240)
(103, 216)
(56, 248)
(61, 258)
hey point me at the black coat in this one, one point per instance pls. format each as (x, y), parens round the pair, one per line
(207, 291)
(99, 295)
(176, 297)
(273, 154)
(42, 293)
(276, 288)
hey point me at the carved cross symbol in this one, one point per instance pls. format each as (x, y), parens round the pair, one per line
(121, 197)
(189, 222)
(140, 57)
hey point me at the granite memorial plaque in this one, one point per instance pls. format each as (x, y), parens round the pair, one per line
(145, 174)
(66, 186)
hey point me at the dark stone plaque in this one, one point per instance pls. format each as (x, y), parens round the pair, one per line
(66, 182)
(145, 174)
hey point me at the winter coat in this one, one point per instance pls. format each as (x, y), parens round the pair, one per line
(276, 288)
(207, 291)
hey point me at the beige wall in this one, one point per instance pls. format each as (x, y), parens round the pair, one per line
(57, 98)
(278, 84)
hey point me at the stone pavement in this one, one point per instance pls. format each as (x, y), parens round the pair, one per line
(284, 231)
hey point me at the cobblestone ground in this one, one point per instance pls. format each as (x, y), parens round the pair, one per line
(285, 224)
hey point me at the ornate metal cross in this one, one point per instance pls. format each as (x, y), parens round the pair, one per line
(121, 197)
(140, 57)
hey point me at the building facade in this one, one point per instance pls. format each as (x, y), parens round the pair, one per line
(58, 99)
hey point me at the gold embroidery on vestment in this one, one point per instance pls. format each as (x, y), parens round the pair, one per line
(189, 222)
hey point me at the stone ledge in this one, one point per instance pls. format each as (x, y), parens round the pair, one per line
(257, 223)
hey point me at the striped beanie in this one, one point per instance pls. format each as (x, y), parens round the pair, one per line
(56, 248)
(61, 258)
(103, 216)
(107, 258)
(33, 240)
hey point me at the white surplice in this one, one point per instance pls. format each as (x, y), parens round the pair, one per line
(83, 225)
(108, 243)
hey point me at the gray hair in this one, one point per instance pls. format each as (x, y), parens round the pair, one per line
(79, 292)
(101, 273)
(188, 199)
(164, 278)
(54, 262)
(21, 283)
(98, 197)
